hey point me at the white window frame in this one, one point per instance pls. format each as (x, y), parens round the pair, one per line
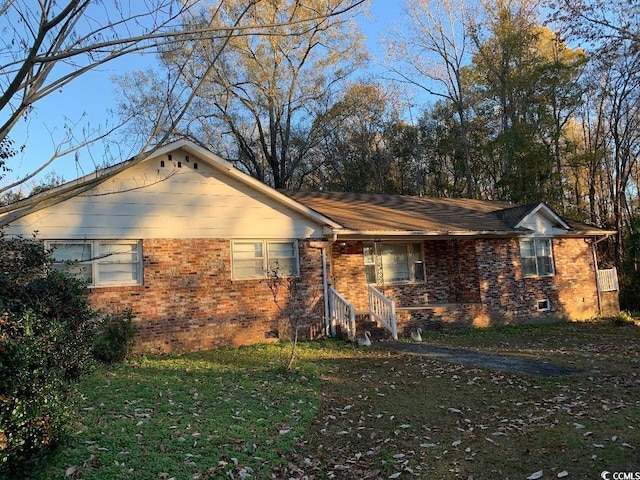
(536, 257)
(267, 258)
(100, 261)
(543, 305)
(415, 261)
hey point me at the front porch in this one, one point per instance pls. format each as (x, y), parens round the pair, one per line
(457, 283)
(403, 285)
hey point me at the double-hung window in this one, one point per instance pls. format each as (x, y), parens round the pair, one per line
(536, 256)
(99, 262)
(253, 259)
(393, 263)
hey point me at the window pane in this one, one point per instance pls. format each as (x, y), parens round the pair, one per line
(248, 269)
(529, 267)
(280, 250)
(247, 250)
(369, 258)
(282, 256)
(248, 260)
(370, 273)
(81, 271)
(74, 252)
(68, 257)
(118, 253)
(543, 248)
(545, 266)
(118, 273)
(117, 263)
(418, 264)
(395, 264)
(286, 267)
(526, 248)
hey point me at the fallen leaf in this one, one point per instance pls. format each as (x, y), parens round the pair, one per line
(70, 471)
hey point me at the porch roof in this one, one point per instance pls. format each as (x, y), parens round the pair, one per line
(366, 215)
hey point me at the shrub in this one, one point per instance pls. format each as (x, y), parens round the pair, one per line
(115, 338)
(47, 331)
(623, 318)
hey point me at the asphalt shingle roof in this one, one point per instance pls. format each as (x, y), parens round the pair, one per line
(383, 212)
(365, 212)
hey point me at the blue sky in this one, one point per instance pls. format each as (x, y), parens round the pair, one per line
(85, 103)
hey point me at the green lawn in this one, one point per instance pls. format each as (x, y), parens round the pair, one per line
(350, 412)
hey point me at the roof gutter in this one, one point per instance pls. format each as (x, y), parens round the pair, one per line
(356, 234)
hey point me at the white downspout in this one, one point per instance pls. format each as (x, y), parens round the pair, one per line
(595, 262)
(325, 286)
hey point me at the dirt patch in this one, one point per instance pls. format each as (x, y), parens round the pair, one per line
(468, 357)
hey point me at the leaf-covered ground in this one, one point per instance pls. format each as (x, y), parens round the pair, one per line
(385, 415)
(366, 413)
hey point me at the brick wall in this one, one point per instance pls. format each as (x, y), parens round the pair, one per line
(347, 273)
(189, 301)
(479, 283)
(451, 275)
(509, 297)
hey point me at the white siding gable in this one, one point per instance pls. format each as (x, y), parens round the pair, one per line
(544, 222)
(539, 224)
(150, 201)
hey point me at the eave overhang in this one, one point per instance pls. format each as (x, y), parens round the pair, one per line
(346, 234)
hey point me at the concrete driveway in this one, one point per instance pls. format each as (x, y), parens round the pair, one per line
(488, 360)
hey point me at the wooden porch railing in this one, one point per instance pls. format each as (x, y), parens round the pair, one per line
(383, 310)
(342, 314)
(608, 280)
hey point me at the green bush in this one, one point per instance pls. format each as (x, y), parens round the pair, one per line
(623, 318)
(115, 338)
(34, 392)
(47, 332)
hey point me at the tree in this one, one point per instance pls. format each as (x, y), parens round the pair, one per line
(611, 29)
(53, 43)
(295, 301)
(525, 84)
(603, 23)
(430, 52)
(354, 151)
(622, 96)
(264, 92)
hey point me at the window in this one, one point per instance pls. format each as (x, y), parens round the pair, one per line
(536, 256)
(543, 305)
(99, 262)
(253, 259)
(393, 263)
